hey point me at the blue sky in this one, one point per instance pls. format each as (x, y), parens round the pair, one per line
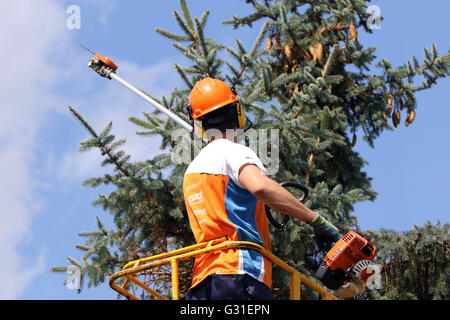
(44, 206)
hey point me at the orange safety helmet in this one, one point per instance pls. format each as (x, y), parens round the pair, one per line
(208, 95)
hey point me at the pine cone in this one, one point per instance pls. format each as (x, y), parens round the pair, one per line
(353, 33)
(389, 108)
(288, 52)
(269, 43)
(411, 116)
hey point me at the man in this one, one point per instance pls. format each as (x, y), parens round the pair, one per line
(225, 189)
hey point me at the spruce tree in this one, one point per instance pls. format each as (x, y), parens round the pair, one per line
(306, 75)
(415, 264)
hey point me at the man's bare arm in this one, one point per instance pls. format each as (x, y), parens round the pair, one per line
(273, 194)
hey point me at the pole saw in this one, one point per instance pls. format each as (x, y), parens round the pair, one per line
(106, 68)
(348, 265)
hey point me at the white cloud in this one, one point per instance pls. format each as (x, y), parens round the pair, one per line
(28, 42)
(35, 52)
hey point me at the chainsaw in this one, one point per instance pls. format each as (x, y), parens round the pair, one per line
(348, 266)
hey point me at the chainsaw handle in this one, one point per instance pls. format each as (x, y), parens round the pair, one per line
(286, 184)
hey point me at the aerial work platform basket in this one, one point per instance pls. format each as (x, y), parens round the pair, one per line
(133, 269)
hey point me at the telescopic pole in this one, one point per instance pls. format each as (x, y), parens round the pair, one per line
(104, 67)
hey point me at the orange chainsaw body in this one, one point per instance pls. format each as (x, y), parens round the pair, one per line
(347, 251)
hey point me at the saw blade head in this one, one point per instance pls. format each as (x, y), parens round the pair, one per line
(364, 270)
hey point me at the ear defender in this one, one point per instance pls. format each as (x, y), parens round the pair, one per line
(241, 119)
(199, 129)
(240, 116)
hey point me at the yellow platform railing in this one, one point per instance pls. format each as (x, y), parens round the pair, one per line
(132, 269)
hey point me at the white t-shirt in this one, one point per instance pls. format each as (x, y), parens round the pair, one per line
(225, 157)
(218, 205)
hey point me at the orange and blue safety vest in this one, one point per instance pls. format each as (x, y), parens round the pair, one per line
(218, 205)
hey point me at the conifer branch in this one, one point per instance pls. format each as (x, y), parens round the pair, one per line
(171, 35)
(183, 26)
(259, 38)
(330, 61)
(204, 18)
(83, 122)
(187, 15)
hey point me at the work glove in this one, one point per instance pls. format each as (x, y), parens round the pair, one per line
(325, 233)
